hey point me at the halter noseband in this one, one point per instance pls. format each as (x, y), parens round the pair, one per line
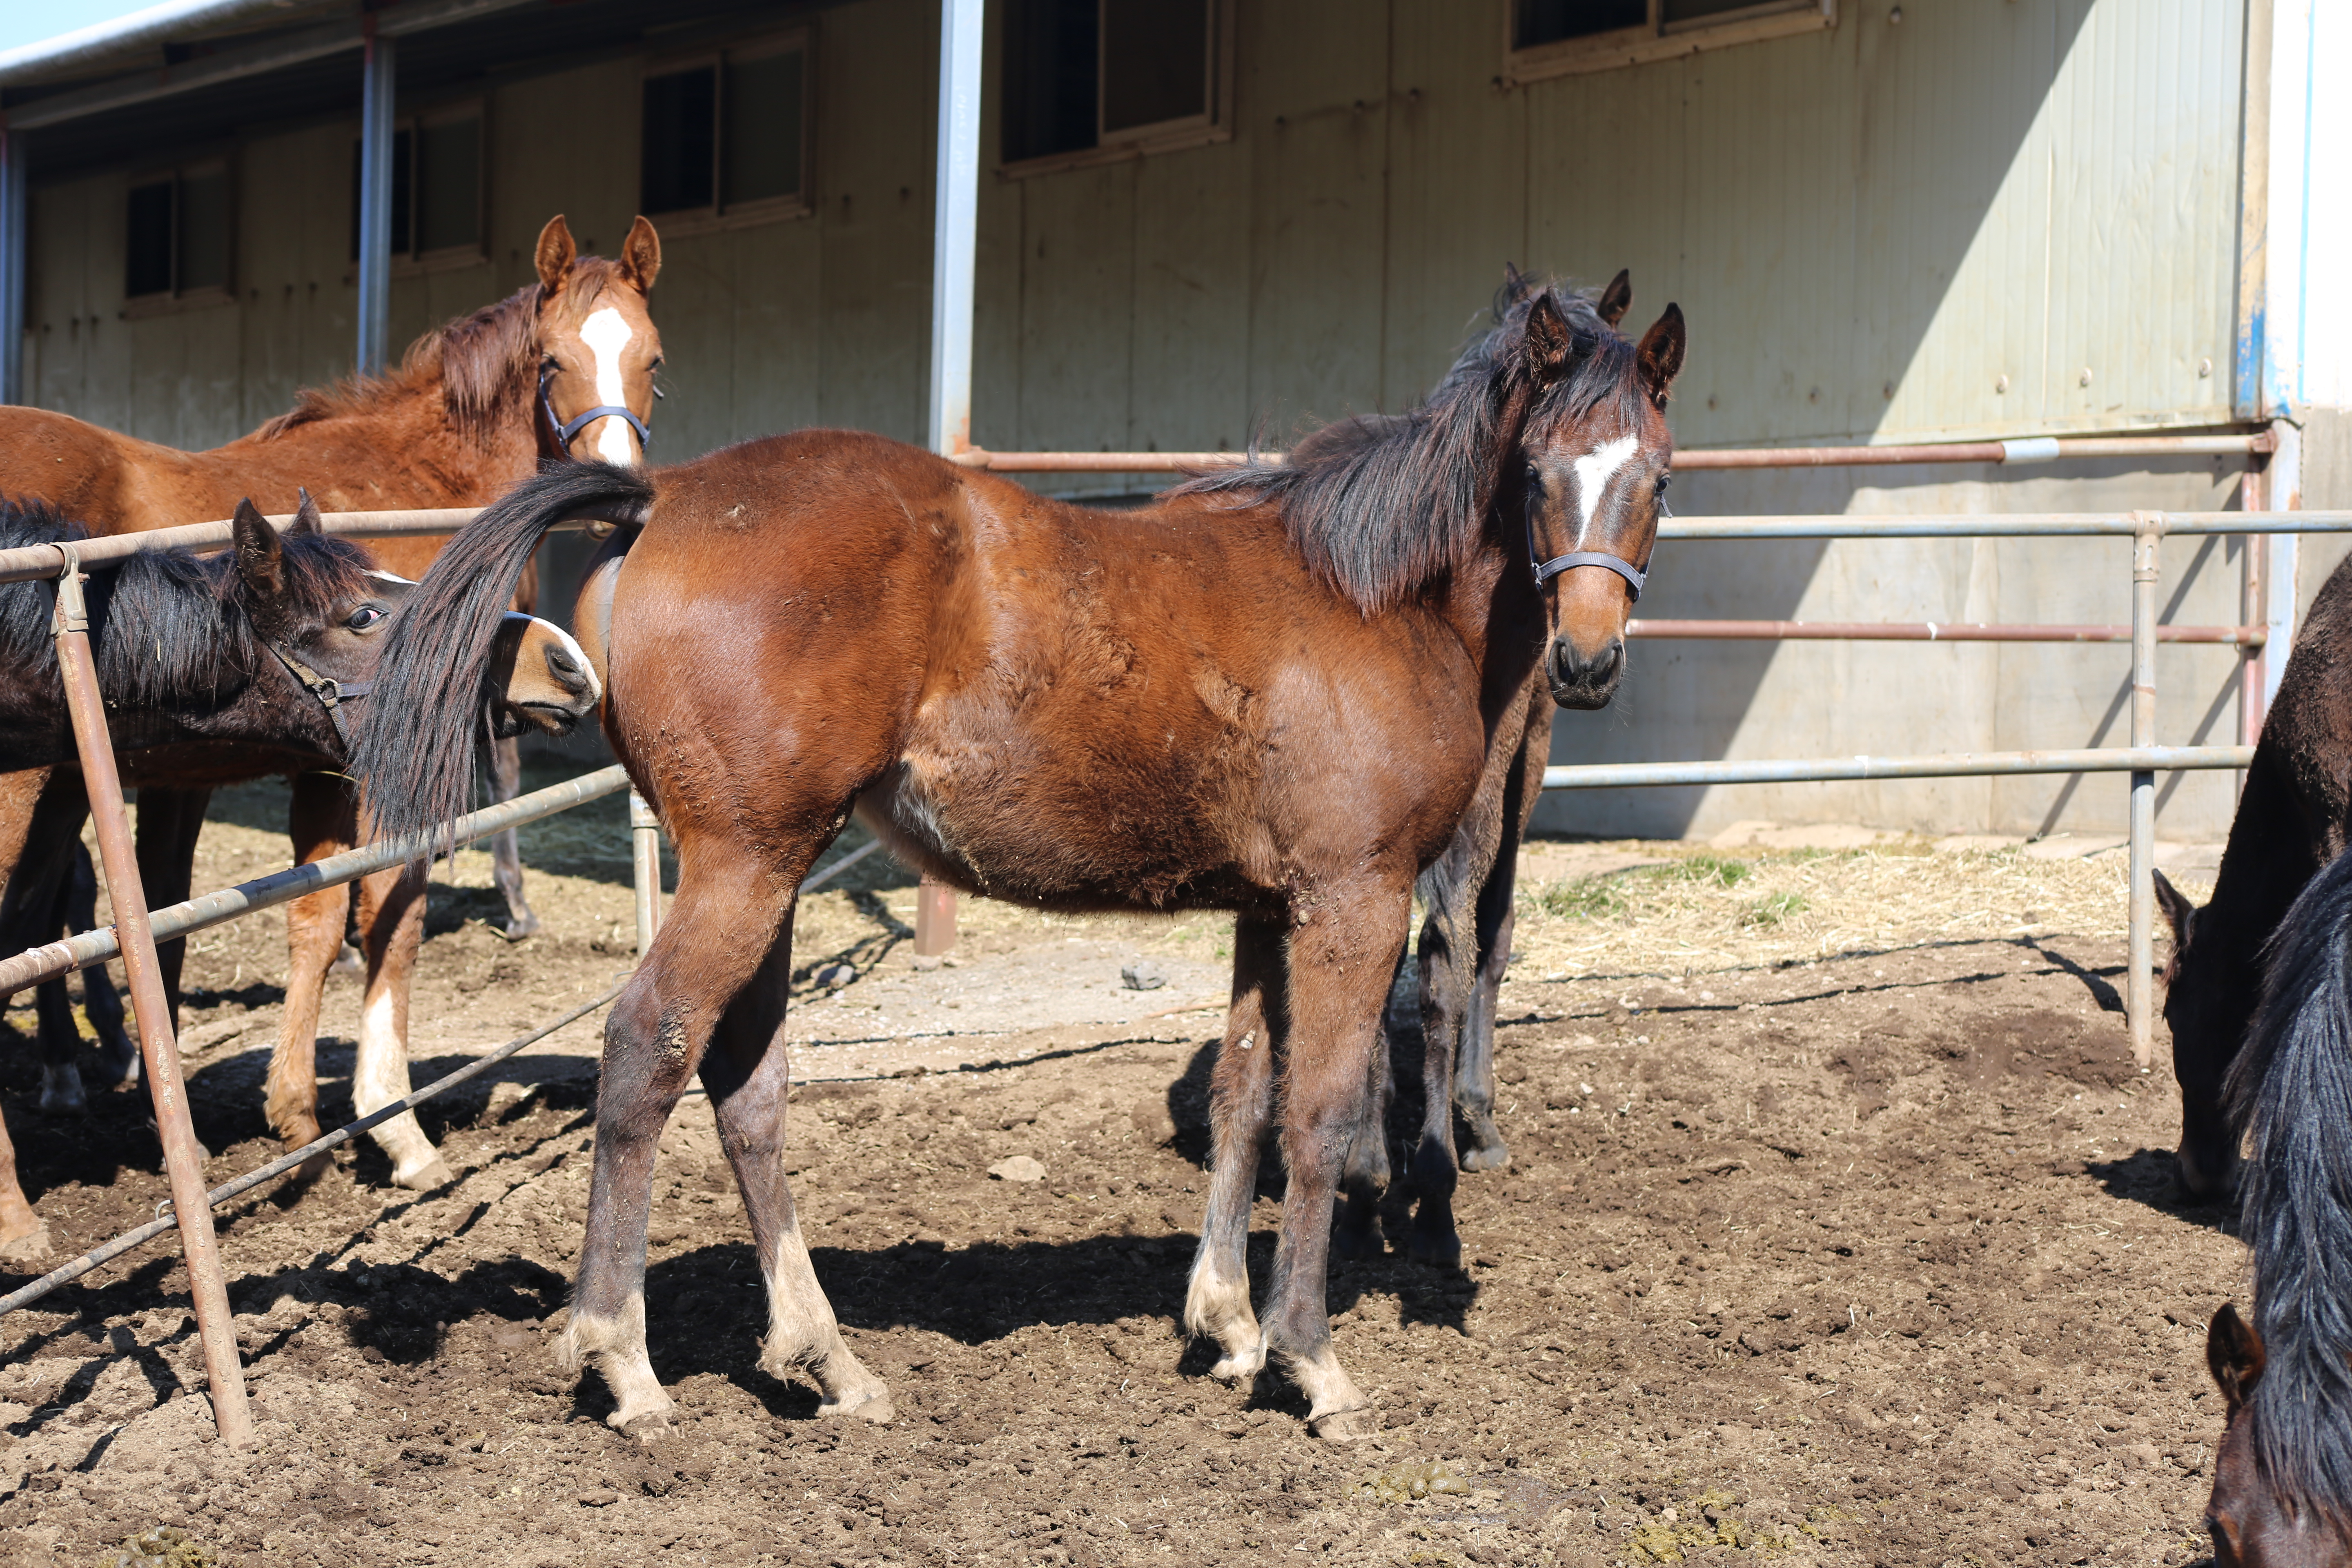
(568, 431)
(1547, 570)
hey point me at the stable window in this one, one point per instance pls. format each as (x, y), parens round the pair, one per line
(726, 135)
(437, 210)
(1086, 80)
(1554, 38)
(178, 232)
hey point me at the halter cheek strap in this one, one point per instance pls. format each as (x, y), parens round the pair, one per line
(568, 430)
(331, 693)
(1547, 570)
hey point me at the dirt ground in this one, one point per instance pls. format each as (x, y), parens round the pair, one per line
(1838, 1230)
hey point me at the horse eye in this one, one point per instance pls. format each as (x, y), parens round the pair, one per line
(1664, 480)
(363, 617)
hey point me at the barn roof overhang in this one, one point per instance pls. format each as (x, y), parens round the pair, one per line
(203, 70)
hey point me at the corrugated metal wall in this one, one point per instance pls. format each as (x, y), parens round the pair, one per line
(1923, 229)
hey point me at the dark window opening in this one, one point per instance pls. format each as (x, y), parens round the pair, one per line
(437, 186)
(1556, 21)
(179, 234)
(1079, 73)
(727, 135)
(682, 140)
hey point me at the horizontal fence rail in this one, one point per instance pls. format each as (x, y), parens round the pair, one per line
(1930, 631)
(33, 562)
(37, 964)
(1999, 525)
(1953, 764)
(2031, 450)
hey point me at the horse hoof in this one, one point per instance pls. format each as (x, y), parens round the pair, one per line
(874, 1408)
(434, 1174)
(523, 925)
(63, 1103)
(1240, 1367)
(348, 964)
(1345, 1425)
(647, 1427)
(30, 1247)
(1437, 1251)
(1485, 1156)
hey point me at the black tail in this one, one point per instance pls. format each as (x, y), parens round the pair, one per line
(415, 757)
(2291, 1087)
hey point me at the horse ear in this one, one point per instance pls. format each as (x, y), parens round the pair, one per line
(1660, 354)
(2234, 1353)
(260, 560)
(305, 515)
(1550, 345)
(1617, 298)
(555, 254)
(2179, 910)
(641, 254)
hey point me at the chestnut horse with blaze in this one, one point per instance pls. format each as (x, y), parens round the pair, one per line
(1275, 692)
(562, 368)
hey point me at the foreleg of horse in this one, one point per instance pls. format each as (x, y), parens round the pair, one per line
(1339, 969)
(61, 1052)
(118, 1054)
(321, 822)
(169, 823)
(41, 814)
(721, 931)
(506, 851)
(392, 929)
(23, 1237)
(1473, 1072)
(745, 1072)
(1241, 1096)
(1356, 1233)
(1448, 955)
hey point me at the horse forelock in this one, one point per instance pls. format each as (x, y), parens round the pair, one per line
(1383, 504)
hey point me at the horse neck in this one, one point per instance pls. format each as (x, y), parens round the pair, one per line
(425, 460)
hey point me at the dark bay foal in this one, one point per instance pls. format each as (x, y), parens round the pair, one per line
(1277, 691)
(2292, 820)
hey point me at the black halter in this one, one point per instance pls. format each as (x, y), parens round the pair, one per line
(1545, 571)
(331, 693)
(567, 431)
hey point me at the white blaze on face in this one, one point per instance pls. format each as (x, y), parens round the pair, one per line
(1593, 472)
(606, 334)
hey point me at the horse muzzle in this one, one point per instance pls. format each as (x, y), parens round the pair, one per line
(538, 679)
(1582, 680)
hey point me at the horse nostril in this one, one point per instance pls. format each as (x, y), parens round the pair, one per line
(566, 668)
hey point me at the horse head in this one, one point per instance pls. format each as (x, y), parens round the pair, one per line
(2208, 1000)
(2253, 1523)
(1595, 459)
(323, 612)
(598, 346)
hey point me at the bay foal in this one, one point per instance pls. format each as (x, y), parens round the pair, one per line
(1274, 692)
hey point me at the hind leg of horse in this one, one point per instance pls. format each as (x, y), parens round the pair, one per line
(118, 1054)
(506, 850)
(1473, 1072)
(392, 929)
(322, 821)
(1448, 952)
(720, 931)
(62, 1050)
(169, 823)
(746, 1072)
(1339, 969)
(1240, 1097)
(43, 816)
(1356, 1232)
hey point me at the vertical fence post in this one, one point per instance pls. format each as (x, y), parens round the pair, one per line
(2253, 606)
(955, 230)
(375, 199)
(183, 1156)
(14, 255)
(2282, 492)
(645, 830)
(2140, 981)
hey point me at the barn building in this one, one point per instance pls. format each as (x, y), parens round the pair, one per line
(1203, 222)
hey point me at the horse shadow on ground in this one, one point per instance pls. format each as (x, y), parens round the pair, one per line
(2150, 1178)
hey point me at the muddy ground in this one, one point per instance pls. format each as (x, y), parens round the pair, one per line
(1864, 1258)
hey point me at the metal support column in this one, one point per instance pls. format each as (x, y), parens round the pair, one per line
(375, 200)
(645, 830)
(2139, 1004)
(2283, 491)
(2254, 606)
(14, 253)
(182, 1155)
(955, 228)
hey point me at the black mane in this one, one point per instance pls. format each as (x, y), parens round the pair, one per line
(1384, 503)
(2292, 1085)
(169, 629)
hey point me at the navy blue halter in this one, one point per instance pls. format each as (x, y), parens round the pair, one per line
(1547, 570)
(568, 431)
